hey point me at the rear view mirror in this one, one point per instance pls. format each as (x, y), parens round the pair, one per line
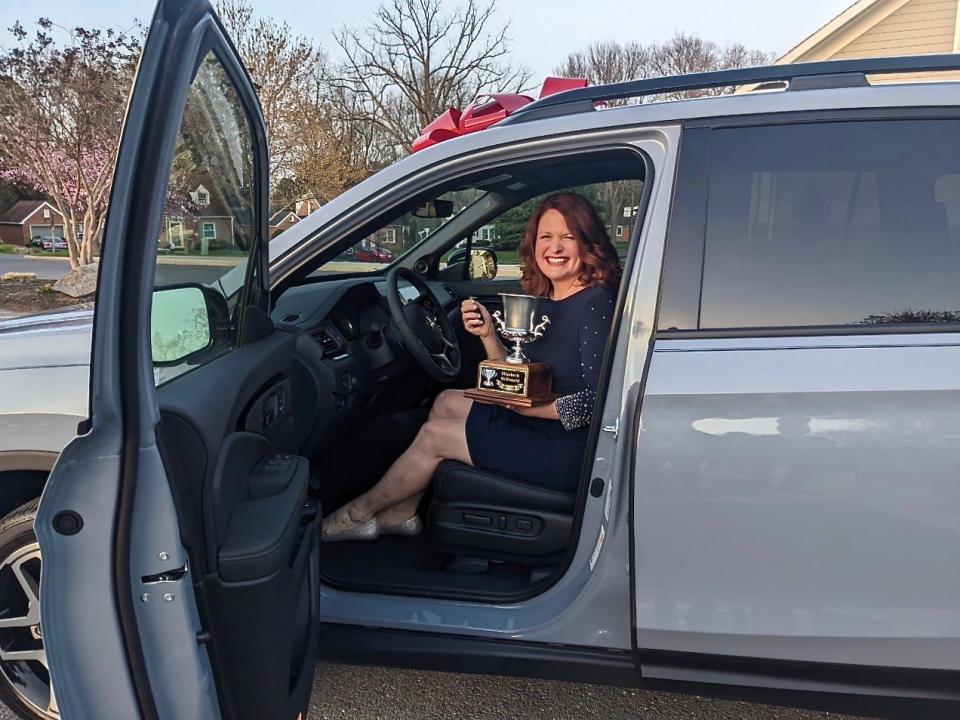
(434, 209)
(183, 321)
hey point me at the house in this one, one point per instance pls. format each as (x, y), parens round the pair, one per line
(198, 224)
(485, 234)
(30, 219)
(389, 235)
(281, 220)
(623, 230)
(877, 28)
(289, 216)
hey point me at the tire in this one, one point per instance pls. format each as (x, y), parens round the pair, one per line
(30, 697)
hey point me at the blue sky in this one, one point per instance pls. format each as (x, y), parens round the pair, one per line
(543, 31)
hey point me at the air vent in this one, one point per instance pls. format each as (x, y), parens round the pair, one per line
(330, 345)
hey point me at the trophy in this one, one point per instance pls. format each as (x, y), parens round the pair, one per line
(515, 380)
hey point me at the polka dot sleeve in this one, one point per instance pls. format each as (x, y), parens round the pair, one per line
(576, 409)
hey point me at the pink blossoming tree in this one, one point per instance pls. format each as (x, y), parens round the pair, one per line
(61, 112)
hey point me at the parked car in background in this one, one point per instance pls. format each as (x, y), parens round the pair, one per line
(768, 503)
(56, 243)
(373, 253)
(48, 243)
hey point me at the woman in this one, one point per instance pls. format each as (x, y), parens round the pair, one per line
(567, 259)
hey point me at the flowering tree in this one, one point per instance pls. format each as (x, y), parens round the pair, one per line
(61, 112)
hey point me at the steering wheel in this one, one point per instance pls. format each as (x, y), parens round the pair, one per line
(423, 326)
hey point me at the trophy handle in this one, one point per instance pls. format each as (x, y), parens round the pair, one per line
(538, 330)
(498, 321)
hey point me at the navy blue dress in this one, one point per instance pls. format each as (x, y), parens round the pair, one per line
(550, 452)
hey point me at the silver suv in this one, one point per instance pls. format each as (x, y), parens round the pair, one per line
(768, 504)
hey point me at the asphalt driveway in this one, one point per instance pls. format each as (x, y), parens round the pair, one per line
(370, 693)
(345, 692)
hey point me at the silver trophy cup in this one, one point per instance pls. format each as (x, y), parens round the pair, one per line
(518, 324)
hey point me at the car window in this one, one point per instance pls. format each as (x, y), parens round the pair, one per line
(208, 229)
(617, 203)
(851, 223)
(378, 249)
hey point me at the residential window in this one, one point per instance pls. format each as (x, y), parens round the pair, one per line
(203, 198)
(833, 224)
(619, 230)
(46, 213)
(209, 231)
(390, 235)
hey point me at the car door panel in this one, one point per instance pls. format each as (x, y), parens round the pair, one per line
(783, 486)
(183, 622)
(259, 549)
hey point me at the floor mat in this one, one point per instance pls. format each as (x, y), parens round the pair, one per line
(410, 564)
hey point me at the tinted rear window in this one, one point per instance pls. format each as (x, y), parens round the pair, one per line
(833, 224)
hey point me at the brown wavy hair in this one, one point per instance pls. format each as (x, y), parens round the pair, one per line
(600, 264)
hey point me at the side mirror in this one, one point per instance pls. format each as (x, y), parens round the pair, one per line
(483, 264)
(185, 320)
(434, 209)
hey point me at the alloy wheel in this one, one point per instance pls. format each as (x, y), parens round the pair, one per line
(23, 660)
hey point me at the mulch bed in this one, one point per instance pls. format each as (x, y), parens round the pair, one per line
(33, 296)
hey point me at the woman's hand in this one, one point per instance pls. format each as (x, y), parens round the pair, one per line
(476, 318)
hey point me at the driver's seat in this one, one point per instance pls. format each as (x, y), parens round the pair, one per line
(480, 514)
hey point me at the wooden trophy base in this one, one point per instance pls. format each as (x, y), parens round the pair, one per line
(513, 384)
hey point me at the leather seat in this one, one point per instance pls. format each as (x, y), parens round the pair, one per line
(481, 514)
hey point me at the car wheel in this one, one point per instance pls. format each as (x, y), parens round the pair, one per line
(24, 675)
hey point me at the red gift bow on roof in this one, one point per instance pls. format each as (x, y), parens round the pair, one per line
(485, 111)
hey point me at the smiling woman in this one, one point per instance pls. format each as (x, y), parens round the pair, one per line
(568, 261)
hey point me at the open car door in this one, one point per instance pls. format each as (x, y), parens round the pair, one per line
(180, 554)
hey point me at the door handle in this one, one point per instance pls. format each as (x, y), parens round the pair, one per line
(613, 429)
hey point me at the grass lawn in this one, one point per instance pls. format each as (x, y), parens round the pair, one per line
(7, 249)
(509, 257)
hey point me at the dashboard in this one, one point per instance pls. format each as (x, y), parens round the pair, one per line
(347, 345)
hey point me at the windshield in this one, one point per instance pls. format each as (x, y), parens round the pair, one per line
(380, 248)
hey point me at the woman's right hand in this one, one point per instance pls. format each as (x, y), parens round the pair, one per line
(476, 318)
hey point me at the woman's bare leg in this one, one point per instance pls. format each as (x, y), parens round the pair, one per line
(448, 404)
(404, 483)
(451, 404)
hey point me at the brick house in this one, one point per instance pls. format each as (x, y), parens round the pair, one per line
(288, 217)
(623, 230)
(199, 225)
(29, 219)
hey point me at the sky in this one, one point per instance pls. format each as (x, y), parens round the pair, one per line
(543, 31)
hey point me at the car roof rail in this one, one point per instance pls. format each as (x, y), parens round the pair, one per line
(585, 99)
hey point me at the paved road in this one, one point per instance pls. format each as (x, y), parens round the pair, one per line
(44, 269)
(55, 269)
(344, 692)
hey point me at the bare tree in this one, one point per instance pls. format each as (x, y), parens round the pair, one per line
(61, 112)
(610, 62)
(607, 62)
(310, 153)
(416, 59)
(684, 54)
